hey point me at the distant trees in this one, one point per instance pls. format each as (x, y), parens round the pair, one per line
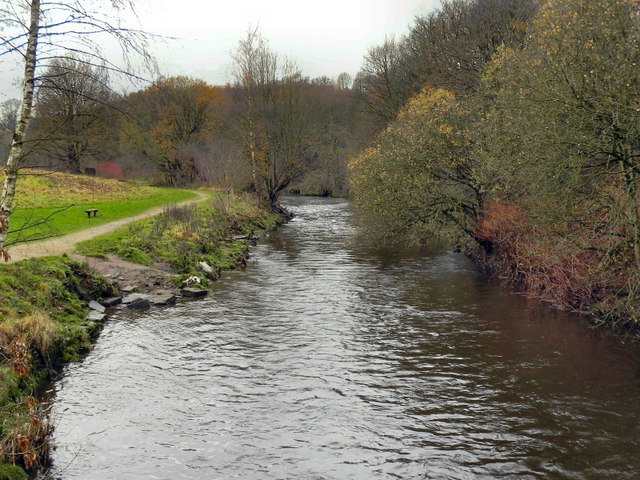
(74, 113)
(9, 110)
(336, 130)
(170, 123)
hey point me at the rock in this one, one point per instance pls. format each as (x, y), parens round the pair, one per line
(191, 292)
(129, 288)
(139, 304)
(209, 271)
(96, 316)
(134, 297)
(112, 302)
(139, 301)
(93, 305)
(162, 300)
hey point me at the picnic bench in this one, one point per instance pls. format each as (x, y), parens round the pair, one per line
(90, 211)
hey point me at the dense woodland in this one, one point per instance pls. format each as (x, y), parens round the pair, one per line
(517, 136)
(508, 127)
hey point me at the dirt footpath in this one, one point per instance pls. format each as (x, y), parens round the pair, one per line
(66, 244)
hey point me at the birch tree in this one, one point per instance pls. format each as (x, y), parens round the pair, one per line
(40, 32)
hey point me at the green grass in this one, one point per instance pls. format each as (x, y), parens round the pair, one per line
(60, 201)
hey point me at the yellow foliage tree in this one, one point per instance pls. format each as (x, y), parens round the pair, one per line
(419, 180)
(171, 121)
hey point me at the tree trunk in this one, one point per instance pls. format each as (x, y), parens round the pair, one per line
(17, 145)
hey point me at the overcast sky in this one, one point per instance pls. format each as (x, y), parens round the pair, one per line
(325, 37)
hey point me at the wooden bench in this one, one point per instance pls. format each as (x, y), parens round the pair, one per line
(90, 211)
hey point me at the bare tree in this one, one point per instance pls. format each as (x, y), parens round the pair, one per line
(344, 81)
(39, 33)
(381, 81)
(73, 112)
(9, 110)
(255, 67)
(273, 117)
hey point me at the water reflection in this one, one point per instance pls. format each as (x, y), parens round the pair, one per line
(326, 360)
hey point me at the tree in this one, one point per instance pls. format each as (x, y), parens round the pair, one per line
(39, 33)
(171, 122)
(563, 137)
(9, 110)
(336, 130)
(418, 181)
(74, 114)
(344, 81)
(273, 117)
(450, 47)
(382, 81)
(447, 48)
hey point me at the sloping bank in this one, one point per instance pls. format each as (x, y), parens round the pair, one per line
(45, 315)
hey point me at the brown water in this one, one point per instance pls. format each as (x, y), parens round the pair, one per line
(327, 360)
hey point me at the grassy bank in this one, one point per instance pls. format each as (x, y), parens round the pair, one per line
(43, 304)
(54, 203)
(213, 232)
(43, 307)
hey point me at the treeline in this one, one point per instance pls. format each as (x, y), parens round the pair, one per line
(269, 130)
(512, 128)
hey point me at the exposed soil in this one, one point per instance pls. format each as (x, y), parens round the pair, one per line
(130, 276)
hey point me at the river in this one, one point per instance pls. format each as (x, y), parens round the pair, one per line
(325, 359)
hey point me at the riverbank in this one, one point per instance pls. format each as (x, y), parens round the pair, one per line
(52, 307)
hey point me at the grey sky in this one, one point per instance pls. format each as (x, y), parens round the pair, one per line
(325, 38)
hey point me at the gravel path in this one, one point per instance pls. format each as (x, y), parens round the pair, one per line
(66, 243)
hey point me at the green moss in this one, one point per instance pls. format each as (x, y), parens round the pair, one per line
(12, 472)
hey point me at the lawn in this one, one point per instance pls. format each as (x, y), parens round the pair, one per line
(54, 203)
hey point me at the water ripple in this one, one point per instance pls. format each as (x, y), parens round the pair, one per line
(325, 360)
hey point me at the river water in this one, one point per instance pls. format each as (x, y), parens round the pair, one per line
(328, 360)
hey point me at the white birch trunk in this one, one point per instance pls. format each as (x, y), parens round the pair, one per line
(17, 144)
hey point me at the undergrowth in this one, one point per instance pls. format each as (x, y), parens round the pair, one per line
(567, 265)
